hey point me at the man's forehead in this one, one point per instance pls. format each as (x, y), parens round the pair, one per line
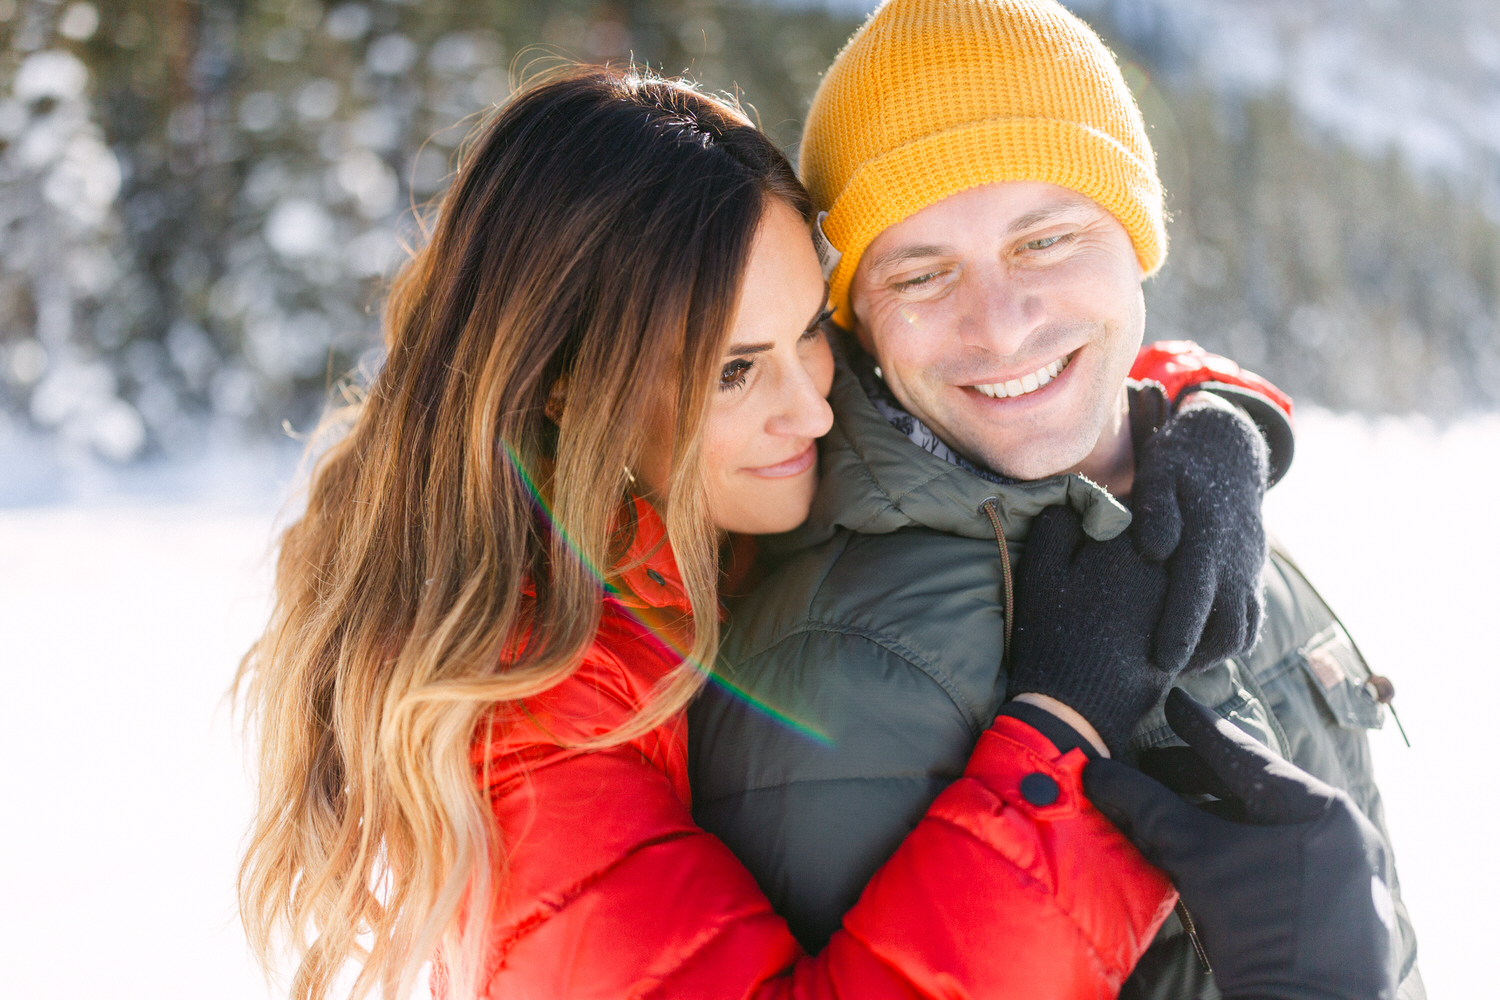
(1008, 207)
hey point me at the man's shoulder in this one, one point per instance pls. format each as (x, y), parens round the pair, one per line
(869, 655)
(905, 590)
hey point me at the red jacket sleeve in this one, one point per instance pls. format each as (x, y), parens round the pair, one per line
(612, 891)
(1181, 364)
(1182, 367)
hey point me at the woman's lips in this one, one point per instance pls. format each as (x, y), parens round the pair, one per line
(795, 465)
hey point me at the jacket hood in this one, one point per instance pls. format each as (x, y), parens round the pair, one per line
(874, 480)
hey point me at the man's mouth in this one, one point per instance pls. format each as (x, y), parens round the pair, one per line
(1026, 383)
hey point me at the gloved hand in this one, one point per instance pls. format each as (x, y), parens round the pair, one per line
(1291, 898)
(1198, 487)
(1083, 617)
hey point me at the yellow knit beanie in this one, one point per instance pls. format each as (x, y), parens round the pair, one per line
(932, 97)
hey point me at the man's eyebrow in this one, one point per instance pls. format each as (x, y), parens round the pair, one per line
(921, 251)
(1059, 207)
(899, 255)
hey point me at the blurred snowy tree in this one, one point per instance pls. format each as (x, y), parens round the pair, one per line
(70, 294)
(202, 199)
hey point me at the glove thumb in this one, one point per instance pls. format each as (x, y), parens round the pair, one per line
(1272, 790)
(1056, 533)
(1156, 819)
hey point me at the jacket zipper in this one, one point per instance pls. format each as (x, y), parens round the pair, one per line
(1192, 932)
(990, 509)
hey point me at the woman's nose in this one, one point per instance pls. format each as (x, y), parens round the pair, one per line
(803, 411)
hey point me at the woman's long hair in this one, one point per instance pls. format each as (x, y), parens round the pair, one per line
(597, 233)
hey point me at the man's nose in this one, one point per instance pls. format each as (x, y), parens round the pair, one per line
(1002, 314)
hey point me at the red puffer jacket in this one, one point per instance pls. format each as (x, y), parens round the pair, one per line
(611, 891)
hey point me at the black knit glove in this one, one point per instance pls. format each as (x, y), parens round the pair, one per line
(1290, 897)
(1198, 487)
(1083, 618)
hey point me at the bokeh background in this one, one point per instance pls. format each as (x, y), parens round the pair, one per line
(201, 201)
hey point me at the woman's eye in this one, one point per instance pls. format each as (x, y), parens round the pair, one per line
(733, 374)
(816, 326)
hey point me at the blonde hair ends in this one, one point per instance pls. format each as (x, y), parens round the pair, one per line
(596, 233)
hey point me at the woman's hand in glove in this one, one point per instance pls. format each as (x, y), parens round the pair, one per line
(1290, 897)
(1083, 619)
(1196, 499)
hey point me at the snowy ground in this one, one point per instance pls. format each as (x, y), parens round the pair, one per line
(124, 608)
(1381, 516)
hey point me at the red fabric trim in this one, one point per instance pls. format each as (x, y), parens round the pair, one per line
(1181, 364)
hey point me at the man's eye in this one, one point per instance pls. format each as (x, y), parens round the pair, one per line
(733, 374)
(1041, 244)
(918, 281)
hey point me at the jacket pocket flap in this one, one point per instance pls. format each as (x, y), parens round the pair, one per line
(1338, 674)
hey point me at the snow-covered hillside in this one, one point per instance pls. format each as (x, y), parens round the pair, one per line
(124, 614)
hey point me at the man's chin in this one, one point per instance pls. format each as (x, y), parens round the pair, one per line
(1030, 460)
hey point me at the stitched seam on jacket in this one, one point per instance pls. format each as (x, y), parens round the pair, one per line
(1026, 878)
(704, 940)
(864, 467)
(969, 712)
(1283, 666)
(546, 911)
(842, 537)
(842, 779)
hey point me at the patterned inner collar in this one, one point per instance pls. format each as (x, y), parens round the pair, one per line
(919, 433)
(1149, 409)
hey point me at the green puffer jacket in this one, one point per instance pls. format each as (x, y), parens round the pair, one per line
(866, 665)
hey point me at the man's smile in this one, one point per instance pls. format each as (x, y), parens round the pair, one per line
(1030, 382)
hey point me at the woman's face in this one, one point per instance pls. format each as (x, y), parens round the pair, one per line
(768, 406)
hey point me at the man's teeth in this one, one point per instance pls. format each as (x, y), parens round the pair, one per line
(1026, 383)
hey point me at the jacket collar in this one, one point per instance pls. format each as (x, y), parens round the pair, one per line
(650, 578)
(875, 480)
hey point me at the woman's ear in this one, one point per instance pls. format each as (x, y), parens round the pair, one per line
(557, 399)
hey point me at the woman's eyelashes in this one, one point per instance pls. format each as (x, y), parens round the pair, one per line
(733, 375)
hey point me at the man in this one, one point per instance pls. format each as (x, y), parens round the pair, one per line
(990, 209)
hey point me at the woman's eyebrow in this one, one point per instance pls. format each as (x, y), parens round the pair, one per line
(823, 311)
(748, 349)
(761, 348)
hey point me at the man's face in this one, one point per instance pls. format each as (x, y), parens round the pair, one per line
(1006, 318)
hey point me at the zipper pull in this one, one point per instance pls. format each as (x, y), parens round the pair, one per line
(1384, 692)
(1192, 930)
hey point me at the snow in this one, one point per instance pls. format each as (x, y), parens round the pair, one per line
(1382, 515)
(126, 600)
